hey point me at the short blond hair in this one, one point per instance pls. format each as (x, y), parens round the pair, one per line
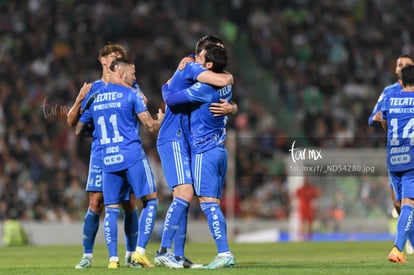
(111, 48)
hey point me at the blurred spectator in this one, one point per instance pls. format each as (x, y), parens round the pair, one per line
(331, 218)
(273, 197)
(75, 199)
(28, 194)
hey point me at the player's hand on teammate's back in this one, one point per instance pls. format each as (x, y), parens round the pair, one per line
(221, 109)
(184, 62)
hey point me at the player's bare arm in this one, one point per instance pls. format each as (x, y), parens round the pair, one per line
(150, 124)
(215, 79)
(73, 114)
(209, 77)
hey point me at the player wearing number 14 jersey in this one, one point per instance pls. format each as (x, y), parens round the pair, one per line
(398, 120)
(376, 117)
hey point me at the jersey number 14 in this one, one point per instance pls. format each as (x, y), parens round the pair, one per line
(408, 132)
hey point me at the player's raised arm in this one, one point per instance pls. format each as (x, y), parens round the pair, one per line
(215, 79)
(73, 114)
(184, 62)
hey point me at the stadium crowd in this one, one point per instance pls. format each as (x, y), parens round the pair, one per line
(327, 60)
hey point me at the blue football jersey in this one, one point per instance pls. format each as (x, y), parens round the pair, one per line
(114, 114)
(84, 107)
(390, 89)
(398, 110)
(207, 131)
(175, 122)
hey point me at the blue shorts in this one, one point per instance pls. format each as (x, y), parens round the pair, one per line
(209, 172)
(176, 162)
(138, 177)
(95, 174)
(403, 184)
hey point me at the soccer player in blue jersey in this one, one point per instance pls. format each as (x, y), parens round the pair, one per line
(208, 153)
(397, 114)
(376, 117)
(116, 112)
(94, 185)
(402, 61)
(174, 152)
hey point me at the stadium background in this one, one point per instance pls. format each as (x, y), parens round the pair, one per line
(305, 71)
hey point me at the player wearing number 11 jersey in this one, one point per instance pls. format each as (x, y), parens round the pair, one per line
(116, 112)
(398, 120)
(107, 54)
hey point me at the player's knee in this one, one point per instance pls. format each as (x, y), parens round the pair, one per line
(96, 203)
(129, 206)
(97, 208)
(184, 191)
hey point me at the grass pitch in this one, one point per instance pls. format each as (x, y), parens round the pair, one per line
(269, 258)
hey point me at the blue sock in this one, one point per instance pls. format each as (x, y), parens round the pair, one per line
(147, 222)
(217, 224)
(111, 230)
(404, 226)
(90, 228)
(181, 234)
(131, 230)
(172, 221)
